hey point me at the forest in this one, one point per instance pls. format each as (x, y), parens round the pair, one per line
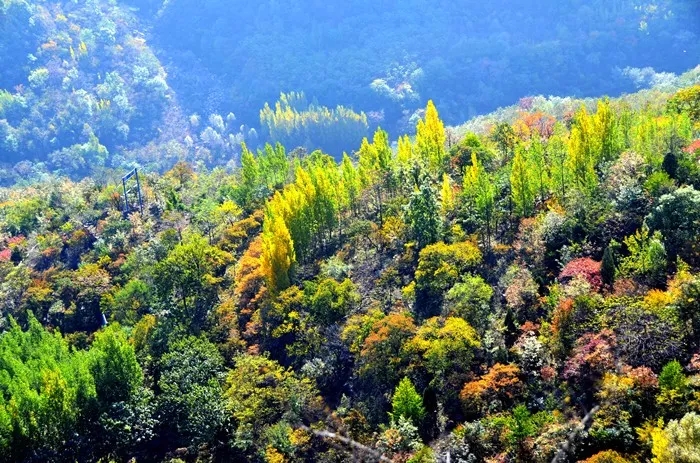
(443, 244)
(524, 289)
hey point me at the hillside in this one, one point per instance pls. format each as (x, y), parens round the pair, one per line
(96, 88)
(490, 296)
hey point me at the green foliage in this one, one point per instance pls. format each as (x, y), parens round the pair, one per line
(407, 403)
(329, 301)
(423, 215)
(187, 280)
(677, 217)
(471, 300)
(190, 403)
(113, 365)
(647, 258)
(522, 184)
(44, 391)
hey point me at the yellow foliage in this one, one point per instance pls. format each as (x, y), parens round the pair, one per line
(272, 455)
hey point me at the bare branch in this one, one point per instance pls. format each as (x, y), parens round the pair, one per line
(346, 440)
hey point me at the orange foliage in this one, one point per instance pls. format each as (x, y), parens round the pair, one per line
(607, 456)
(250, 277)
(502, 382)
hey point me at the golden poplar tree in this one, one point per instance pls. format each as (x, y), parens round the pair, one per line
(431, 137)
(277, 251)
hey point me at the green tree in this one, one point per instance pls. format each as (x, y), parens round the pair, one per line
(407, 403)
(190, 404)
(423, 215)
(471, 300)
(677, 217)
(188, 278)
(522, 183)
(113, 364)
(480, 191)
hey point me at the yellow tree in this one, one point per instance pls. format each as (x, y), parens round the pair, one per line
(404, 153)
(277, 251)
(581, 161)
(447, 195)
(431, 137)
(351, 182)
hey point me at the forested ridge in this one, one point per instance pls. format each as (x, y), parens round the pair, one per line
(524, 285)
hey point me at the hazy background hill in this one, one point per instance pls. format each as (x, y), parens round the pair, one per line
(469, 56)
(98, 86)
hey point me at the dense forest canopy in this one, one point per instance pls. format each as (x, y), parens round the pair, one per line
(319, 255)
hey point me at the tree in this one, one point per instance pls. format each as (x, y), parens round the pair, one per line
(471, 300)
(557, 158)
(444, 348)
(686, 100)
(329, 301)
(504, 136)
(678, 442)
(430, 139)
(46, 390)
(480, 190)
(187, 280)
(407, 403)
(190, 403)
(278, 254)
(522, 184)
(608, 268)
(440, 266)
(582, 157)
(114, 367)
(499, 387)
(677, 217)
(259, 392)
(540, 170)
(447, 196)
(423, 215)
(381, 359)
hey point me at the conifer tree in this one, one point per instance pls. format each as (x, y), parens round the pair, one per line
(407, 403)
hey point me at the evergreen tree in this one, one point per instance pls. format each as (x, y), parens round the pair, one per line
(607, 269)
(407, 403)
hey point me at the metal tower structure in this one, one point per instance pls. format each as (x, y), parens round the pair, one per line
(133, 189)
